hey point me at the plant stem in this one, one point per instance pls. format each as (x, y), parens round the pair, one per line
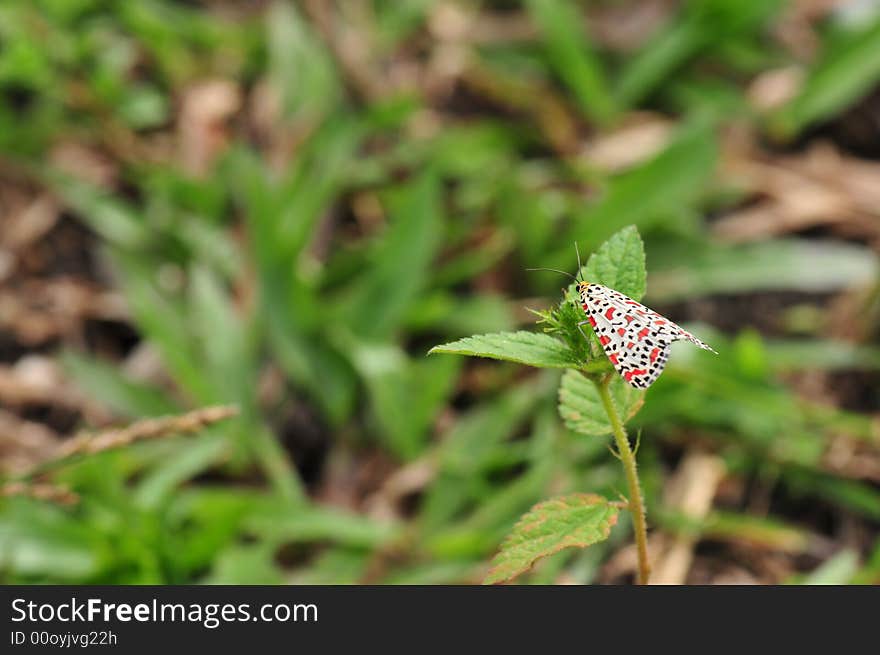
(636, 503)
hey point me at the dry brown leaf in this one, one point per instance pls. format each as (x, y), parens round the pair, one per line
(201, 125)
(691, 492)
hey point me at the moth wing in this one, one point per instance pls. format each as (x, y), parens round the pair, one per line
(633, 311)
(642, 379)
(687, 335)
(636, 339)
(606, 331)
(637, 350)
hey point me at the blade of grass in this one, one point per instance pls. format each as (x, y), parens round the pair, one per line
(572, 57)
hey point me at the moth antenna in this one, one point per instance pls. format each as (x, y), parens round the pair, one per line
(578, 253)
(554, 270)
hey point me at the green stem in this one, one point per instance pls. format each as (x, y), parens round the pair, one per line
(278, 467)
(636, 503)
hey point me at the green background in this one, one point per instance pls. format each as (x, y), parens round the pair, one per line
(284, 206)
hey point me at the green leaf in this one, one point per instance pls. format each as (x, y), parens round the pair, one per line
(246, 564)
(299, 64)
(186, 461)
(111, 387)
(210, 244)
(113, 219)
(577, 520)
(572, 59)
(313, 363)
(336, 566)
(37, 539)
(643, 72)
(837, 570)
(226, 356)
(281, 221)
(805, 265)
(759, 530)
(703, 26)
(822, 354)
(309, 524)
(522, 347)
(581, 407)
(620, 264)
(406, 394)
(848, 68)
(456, 315)
(480, 434)
(315, 178)
(465, 457)
(143, 107)
(161, 320)
(401, 263)
(660, 188)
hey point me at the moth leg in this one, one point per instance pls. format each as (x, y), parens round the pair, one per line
(582, 329)
(592, 342)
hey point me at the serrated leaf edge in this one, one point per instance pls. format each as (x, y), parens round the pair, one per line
(591, 499)
(569, 416)
(444, 349)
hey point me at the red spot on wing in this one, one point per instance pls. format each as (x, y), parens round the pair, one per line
(630, 318)
(630, 345)
(592, 321)
(613, 358)
(609, 313)
(654, 354)
(660, 321)
(643, 333)
(630, 374)
(584, 305)
(604, 340)
(621, 331)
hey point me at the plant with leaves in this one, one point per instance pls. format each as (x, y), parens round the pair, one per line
(593, 401)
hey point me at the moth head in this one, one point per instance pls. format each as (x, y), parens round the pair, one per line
(582, 286)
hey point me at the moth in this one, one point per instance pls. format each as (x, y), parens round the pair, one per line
(636, 339)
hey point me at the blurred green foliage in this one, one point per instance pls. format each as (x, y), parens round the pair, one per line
(260, 265)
